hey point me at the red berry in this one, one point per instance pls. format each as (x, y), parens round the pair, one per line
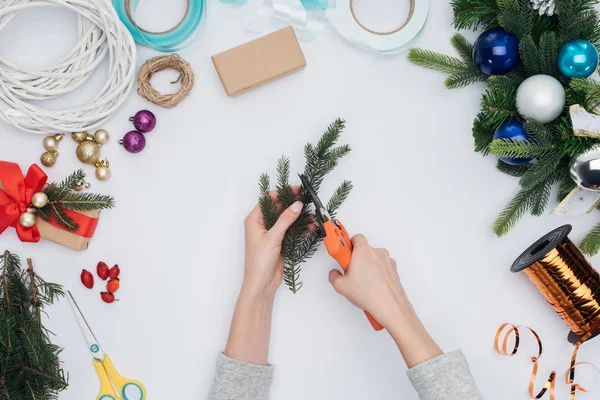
(87, 279)
(107, 297)
(102, 270)
(114, 272)
(113, 285)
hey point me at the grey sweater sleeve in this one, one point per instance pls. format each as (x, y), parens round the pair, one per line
(446, 377)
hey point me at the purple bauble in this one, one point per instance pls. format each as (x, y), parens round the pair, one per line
(133, 141)
(144, 121)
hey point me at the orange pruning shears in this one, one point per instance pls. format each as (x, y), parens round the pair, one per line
(335, 236)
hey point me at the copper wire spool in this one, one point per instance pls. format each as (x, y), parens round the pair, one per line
(568, 282)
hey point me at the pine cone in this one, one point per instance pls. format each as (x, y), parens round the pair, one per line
(547, 7)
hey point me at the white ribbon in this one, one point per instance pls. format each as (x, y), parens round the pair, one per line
(307, 24)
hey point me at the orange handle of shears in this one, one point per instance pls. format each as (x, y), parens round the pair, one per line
(339, 246)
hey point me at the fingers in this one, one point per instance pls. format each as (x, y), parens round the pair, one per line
(286, 219)
(255, 220)
(359, 240)
(337, 281)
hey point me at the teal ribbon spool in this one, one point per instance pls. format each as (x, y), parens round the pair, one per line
(169, 41)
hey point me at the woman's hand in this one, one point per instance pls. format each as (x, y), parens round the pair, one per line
(263, 270)
(372, 283)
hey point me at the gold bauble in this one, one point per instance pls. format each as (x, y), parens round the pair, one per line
(101, 136)
(88, 152)
(27, 219)
(81, 136)
(103, 173)
(51, 142)
(48, 159)
(39, 200)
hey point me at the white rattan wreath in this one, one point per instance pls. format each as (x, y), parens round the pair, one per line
(101, 34)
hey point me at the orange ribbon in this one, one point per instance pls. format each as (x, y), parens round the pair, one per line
(16, 198)
(551, 381)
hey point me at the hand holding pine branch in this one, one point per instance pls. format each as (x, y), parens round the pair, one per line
(301, 241)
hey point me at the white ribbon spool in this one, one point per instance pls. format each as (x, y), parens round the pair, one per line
(344, 20)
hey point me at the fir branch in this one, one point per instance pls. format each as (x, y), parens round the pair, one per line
(57, 192)
(541, 170)
(484, 126)
(516, 17)
(530, 55)
(339, 197)
(590, 245)
(63, 219)
(436, 61)
(474, 14)
(540, 195)
(464, 78)
(266, 203)
(538, 132)
(548, 53)
(512, 212)
(565, 184)
(85, 202)
(500, 105)
(513, 170)
(518, 148)
(507, 83)
(299, 243)
(463, 47)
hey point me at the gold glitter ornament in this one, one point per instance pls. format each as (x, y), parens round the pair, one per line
(88, 152)
(48, 159)
(81, 136)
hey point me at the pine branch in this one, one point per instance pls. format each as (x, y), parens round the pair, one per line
(530, 55)
(464, 78)
(266, 203)
(548, 53)
(516, 17)
(513, 170)
(484, 126)
(474, 14)
(590, 245)
(541, 170)
(299, 243)
(540, 195)
(464, 48)
(85, 202)
(63, 219)
(538, 132)
(59, 191)
(500, 105)
(507, 83)
(518, 148)
(512, 212)
(436, 61)
(339, 197)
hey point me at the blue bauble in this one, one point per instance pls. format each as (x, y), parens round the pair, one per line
(577, 59)
(496, 52)
(512, 129)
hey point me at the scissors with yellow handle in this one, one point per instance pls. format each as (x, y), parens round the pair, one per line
(113, 386)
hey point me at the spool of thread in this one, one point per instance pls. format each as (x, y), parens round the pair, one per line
(568, 282)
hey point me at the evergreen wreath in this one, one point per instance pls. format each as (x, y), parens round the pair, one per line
(29, 363)
(300, 244)
(552, 145)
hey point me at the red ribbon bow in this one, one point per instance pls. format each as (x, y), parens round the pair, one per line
(16, 197)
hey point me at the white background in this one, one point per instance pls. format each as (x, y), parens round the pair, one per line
(177, 231)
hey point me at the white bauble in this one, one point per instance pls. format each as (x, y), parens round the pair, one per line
(541, 97)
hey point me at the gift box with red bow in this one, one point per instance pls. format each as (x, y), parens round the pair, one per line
(59, 212)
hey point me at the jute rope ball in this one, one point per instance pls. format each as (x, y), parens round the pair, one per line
(156, 64)
(101, 35)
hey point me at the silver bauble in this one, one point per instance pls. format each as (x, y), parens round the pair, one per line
(39, 200)
(585, 169)
(541, 97)
(27, 219)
